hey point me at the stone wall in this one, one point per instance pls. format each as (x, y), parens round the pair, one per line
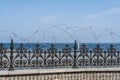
(62, 75)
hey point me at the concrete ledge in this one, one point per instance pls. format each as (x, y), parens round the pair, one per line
(62, 70)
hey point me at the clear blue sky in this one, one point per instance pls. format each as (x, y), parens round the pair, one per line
(24, 19)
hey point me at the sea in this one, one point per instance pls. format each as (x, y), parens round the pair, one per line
(60, 46)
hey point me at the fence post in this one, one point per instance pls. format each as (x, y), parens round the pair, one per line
(11, 55)
(75, 55)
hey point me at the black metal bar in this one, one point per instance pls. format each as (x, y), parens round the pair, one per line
(75, 56)
(11, 55)
(1, 51)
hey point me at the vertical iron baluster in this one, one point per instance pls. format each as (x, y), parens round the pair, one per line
(52, 52)
(111, 52)
(60, 58)
(37, 55)
(75, 55)
(105, 58)
(118, 57)
(90, 58)
(29, 59)
(45, 58)
(84, 54)
(21, 54)
(1, 55)
(11, 55)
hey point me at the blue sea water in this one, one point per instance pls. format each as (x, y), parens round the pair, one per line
(60, 46)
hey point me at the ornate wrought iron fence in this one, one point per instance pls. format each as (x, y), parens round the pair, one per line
(21, 58)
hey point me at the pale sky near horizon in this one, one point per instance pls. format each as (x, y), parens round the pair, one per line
(89, 20)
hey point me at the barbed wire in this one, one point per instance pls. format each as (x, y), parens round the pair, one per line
(56, 33)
